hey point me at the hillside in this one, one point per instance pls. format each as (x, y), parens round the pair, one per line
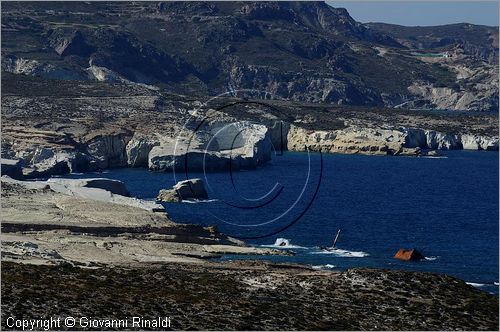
(478, 41)
(300, 51)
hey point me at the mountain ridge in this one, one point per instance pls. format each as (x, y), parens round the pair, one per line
(302, 51)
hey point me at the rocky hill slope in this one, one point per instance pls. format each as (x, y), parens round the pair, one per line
(478, 41)
(302, 51)
(249, 296)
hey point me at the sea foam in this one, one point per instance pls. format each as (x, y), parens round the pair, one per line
(341, 253)
(282, 243)
(323, 267)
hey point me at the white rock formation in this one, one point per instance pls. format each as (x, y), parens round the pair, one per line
(441, 141)
(108, 150)
(239, 145)
(403, 141)
(350, 140)
(431, 139)
(138, 149)
(113, 186)
(97, 189)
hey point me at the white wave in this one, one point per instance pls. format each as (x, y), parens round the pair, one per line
(435, 157)
(196, 201)
(475, 284)
(322, 267)
(431, 258)
(495, 283)
(341, 253)
(282, 243)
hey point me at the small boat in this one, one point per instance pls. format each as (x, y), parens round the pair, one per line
(333, 247)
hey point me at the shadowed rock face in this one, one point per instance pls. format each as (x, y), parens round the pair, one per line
(302, 51)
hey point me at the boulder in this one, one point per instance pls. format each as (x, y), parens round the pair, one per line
(168, 195)
(409, 255)
(433, 153)
(113, 186)
(187, 189)
(409, 152)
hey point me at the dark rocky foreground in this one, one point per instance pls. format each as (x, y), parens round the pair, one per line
(249, 296)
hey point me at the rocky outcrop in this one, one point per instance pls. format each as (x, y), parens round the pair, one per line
(476, 88)
(95, 189)
(476, 142)
(378, 141)
(108, 150)
(42, 162)
(187, 189)
(138, 149)
(45, 162)
(431, 139)
(433, 154)
(352, 140)
(15, 65)
(69, 44)
(236, 145)
(278, 132)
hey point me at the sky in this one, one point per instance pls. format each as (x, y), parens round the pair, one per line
(413, 13)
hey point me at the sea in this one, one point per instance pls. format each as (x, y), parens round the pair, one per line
(446, 207)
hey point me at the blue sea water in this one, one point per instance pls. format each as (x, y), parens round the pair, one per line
(447, 208)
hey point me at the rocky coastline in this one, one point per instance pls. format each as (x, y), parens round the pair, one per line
(127, 258)
(115, 259)
(117, 150)
(165, 132)
(221, 86)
